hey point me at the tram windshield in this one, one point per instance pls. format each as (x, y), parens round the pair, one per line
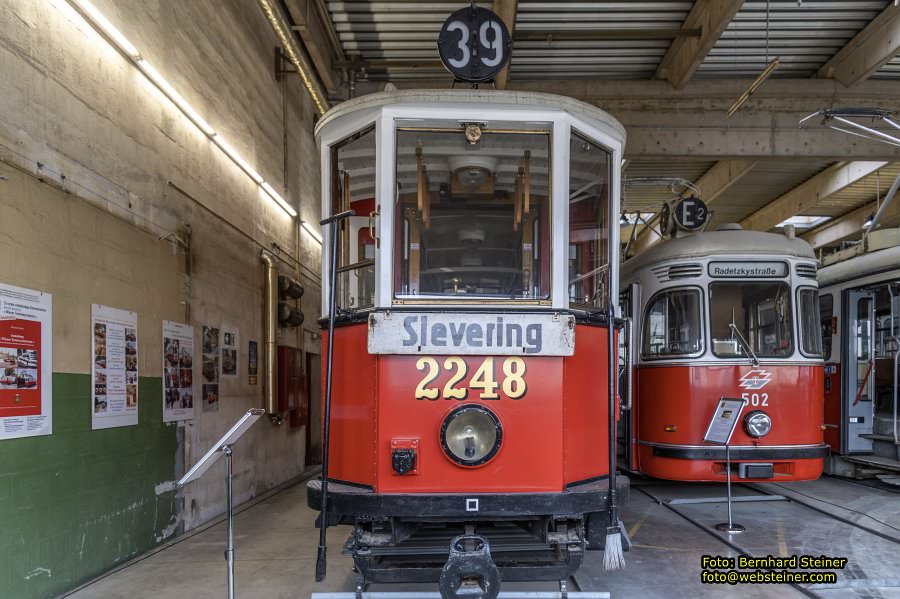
(760, 313)
(473, 213)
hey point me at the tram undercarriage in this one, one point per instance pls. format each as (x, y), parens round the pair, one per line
(515, 537)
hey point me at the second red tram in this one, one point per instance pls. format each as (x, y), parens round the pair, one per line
(470, 400)
(727, 313)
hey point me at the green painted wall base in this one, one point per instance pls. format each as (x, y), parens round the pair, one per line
(76, 503)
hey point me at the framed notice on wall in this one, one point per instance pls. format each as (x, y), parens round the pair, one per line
(114, 367)
(26, 362)
(178, 371)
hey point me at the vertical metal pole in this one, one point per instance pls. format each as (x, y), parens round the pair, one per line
(229, 498)
(728, 479)
(321, 563)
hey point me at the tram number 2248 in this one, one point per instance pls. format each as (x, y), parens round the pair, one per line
(484, 379)
(755, 399)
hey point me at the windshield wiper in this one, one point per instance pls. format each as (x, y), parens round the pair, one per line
(753, 359)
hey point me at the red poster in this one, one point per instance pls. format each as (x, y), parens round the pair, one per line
(20, 372)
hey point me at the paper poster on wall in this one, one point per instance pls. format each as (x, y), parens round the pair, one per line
(178, 371)
(26, 362)
(253, 364)
(210, 389)
(114, 370)
(229, 353)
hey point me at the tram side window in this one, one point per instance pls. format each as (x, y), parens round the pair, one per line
(760, 313)
(810, 322)
(672, 324)
(353, 187)
(826, 314)
(589, 180)
(473, 213)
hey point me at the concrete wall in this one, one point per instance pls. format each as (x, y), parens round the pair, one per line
(91, 148)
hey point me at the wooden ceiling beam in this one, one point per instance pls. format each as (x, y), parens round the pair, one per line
(507, 11)
(871, 48)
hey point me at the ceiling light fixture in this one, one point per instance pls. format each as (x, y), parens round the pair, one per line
(96, 19)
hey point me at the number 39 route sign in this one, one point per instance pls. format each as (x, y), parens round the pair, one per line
(474, 44)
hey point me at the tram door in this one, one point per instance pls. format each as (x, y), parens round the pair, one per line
(629, 300)
(859, 383)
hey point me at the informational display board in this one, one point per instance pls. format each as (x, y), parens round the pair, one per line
(724, 419)
(211, 361)
(229, 353)
(26, 362)
(178, 371)
(114, 368)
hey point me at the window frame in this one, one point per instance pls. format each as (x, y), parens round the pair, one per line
(547, 129)
(831, 334)
(791, 311)
(801, 337)
(645, 322)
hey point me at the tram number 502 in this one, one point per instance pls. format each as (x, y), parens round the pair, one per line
(756, 399)
(484, 379)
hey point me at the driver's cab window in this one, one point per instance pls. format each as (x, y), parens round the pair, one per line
(353, 187)
(672, 325)
(472, 213)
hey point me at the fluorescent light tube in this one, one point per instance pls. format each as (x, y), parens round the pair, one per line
(173, 95)
(238, 160)
(313, 233)
(278, 199)
(108, 28)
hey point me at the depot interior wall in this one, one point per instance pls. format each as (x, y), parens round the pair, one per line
(85, 199)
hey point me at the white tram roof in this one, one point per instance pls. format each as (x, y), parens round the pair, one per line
(512, 100)
(719, 243)
(860, 266)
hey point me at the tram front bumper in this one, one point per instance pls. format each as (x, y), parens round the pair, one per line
(360, 502)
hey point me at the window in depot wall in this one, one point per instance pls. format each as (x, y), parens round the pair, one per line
(672, 324)
(589, 181)
(473, 213)
(353, 187)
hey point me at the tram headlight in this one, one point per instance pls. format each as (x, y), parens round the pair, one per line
(471, 435)
(757, 424)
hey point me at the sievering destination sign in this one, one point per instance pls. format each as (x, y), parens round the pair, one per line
(439, 333)
(748, 270)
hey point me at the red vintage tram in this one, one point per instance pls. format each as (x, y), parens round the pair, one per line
(728, 313)
(470, 402)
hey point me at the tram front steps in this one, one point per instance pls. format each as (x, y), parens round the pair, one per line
(884, 446)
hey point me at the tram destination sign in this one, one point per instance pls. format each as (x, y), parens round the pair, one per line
(461, 333)
(746, 269)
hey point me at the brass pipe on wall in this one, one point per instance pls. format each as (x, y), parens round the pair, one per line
(270, 311)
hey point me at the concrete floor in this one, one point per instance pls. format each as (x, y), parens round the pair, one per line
(276, 544)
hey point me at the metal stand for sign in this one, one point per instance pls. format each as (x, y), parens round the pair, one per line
(721, 428)
(223, 447)
(730, 527)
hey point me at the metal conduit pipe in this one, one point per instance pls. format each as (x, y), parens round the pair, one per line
(270, 311)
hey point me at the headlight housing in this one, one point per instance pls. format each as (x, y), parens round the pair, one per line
(471, 435)
(757, 424)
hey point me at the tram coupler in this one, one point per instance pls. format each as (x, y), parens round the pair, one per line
(470, 572)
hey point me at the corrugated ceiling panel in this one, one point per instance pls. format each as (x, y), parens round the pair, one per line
(597, 59)
(803, 35)
(768, 180)
(891, 70)
(862, 192)
(649, 199)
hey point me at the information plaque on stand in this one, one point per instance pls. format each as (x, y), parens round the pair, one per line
(721, 428)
